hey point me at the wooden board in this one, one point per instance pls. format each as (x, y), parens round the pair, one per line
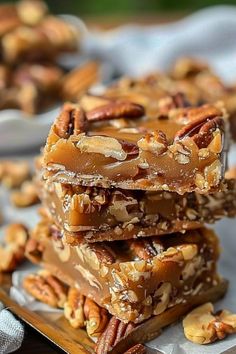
(51, 325)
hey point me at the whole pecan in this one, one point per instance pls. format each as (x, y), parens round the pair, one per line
(103, 252)
(74, 308)
(116, 110)
(72, 120)
(46, 288)
(113, 333)
(96, 318)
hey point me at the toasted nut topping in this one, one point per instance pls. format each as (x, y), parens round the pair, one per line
(109, 147)
(46, 288)
(114, 110)
(202, 326)
(155, 142)
(34, 250)
(202, 123)
(74, 308)
(96, 318)
(162, 294)
(71, 121)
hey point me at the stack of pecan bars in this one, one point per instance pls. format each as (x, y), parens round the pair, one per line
(126, 195)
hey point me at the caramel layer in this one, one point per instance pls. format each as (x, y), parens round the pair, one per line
(90, 214)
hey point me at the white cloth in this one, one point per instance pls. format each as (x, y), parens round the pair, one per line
(208, 34)
(11, 331)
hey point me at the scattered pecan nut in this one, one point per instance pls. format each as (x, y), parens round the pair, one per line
(74, 308)
(202, 326)
(14, 173)
(13, 249)
(31, 12)
(113, 333)
(46, 288)
(26, 196)
(96, 318)
(114, 110)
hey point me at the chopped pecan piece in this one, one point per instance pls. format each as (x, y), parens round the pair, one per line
(202, 326)
(114, 110)
(96, 318)
(46, 288)
(74, 308)
(137, 349)
(146, 248)
(71, 121)
(154, 142)
(26, 196)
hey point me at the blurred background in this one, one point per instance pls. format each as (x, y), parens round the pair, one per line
(123, 9)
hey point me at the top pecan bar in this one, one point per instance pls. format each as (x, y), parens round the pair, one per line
(113, 143)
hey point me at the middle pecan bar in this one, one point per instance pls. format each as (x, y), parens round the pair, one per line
(133, 280)
(91, 214)
(115, 144)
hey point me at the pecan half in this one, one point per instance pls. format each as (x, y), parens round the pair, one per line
(74, 308)
(46, 288)
(71, 121)
(146, 248)
(116, 110)
(96, 318)
(103, 252)
(204, 137)
(113, 333)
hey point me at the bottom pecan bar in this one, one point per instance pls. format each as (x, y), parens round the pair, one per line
(136, 279)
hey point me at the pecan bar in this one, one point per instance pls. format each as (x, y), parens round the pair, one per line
(134, 279)
(91, 214)
(115, 144)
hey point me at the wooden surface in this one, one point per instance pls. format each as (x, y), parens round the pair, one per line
(52, 325)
